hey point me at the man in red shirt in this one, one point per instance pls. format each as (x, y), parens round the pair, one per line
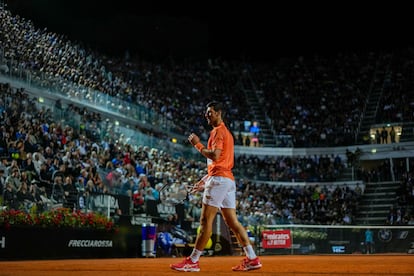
(219, 192)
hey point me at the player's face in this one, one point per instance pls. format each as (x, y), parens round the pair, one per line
(212, 116)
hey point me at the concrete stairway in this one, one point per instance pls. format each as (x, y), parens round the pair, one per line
(376, 202)
(266, 136)
(373, 99)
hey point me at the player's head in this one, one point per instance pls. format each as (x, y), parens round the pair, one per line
(214, 113)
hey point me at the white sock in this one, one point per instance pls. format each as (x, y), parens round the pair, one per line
(249, 252)
(195, 255)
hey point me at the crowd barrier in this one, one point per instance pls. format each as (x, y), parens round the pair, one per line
(132, 240)
(28, 242)
(333, 239)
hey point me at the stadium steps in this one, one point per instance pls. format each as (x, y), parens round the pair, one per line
(379, 204)
(346, 175)
(266, 136)
(373, 99)
(376, 202)
(375, 213)
(407, 132)
(381, 188)
(380, 194)
(370, 115)
(371, 221)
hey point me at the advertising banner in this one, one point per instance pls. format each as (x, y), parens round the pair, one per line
(338, 240)
(276, 239)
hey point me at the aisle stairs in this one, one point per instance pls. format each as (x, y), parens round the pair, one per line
(376, 202)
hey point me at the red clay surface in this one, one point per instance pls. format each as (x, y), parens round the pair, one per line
(219, 265)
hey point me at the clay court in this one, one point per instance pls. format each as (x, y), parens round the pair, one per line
(272, 265)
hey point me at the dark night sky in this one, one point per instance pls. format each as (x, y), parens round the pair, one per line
(114, 26)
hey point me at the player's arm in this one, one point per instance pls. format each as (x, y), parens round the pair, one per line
(212, 154)
(199, 186)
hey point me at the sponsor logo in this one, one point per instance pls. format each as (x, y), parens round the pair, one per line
(411, 250)
(276, 239)
(385, 235)
(276, 236)
(338, 249)
(137, 220)
(90, 243)
(3, 242)
(402, 235)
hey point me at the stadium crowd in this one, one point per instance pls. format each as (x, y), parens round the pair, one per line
(45, 163)
(328, 114)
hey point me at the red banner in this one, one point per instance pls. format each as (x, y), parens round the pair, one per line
(276, 239)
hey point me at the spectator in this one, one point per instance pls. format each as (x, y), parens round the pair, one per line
(378, 136)
(28, 167)
(392, 134)
(14, 179)
(10, 197)
(58, 193)
(2, 184)
(25, 198)
(36, 195)
(254, 131)
(384, 136)
(151, 201)
(71, 194)
(369, 241)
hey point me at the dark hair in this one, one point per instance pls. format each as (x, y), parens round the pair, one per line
(217, 106)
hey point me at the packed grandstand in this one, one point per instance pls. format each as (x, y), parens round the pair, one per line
(77, 124)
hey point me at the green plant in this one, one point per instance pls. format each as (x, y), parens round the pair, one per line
(60, 218)
(307, 234)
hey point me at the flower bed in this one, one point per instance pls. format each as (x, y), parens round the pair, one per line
(60, 218)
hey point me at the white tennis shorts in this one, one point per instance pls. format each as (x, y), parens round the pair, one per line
(220, 192)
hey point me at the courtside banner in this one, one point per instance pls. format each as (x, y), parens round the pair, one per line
(276, 239)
